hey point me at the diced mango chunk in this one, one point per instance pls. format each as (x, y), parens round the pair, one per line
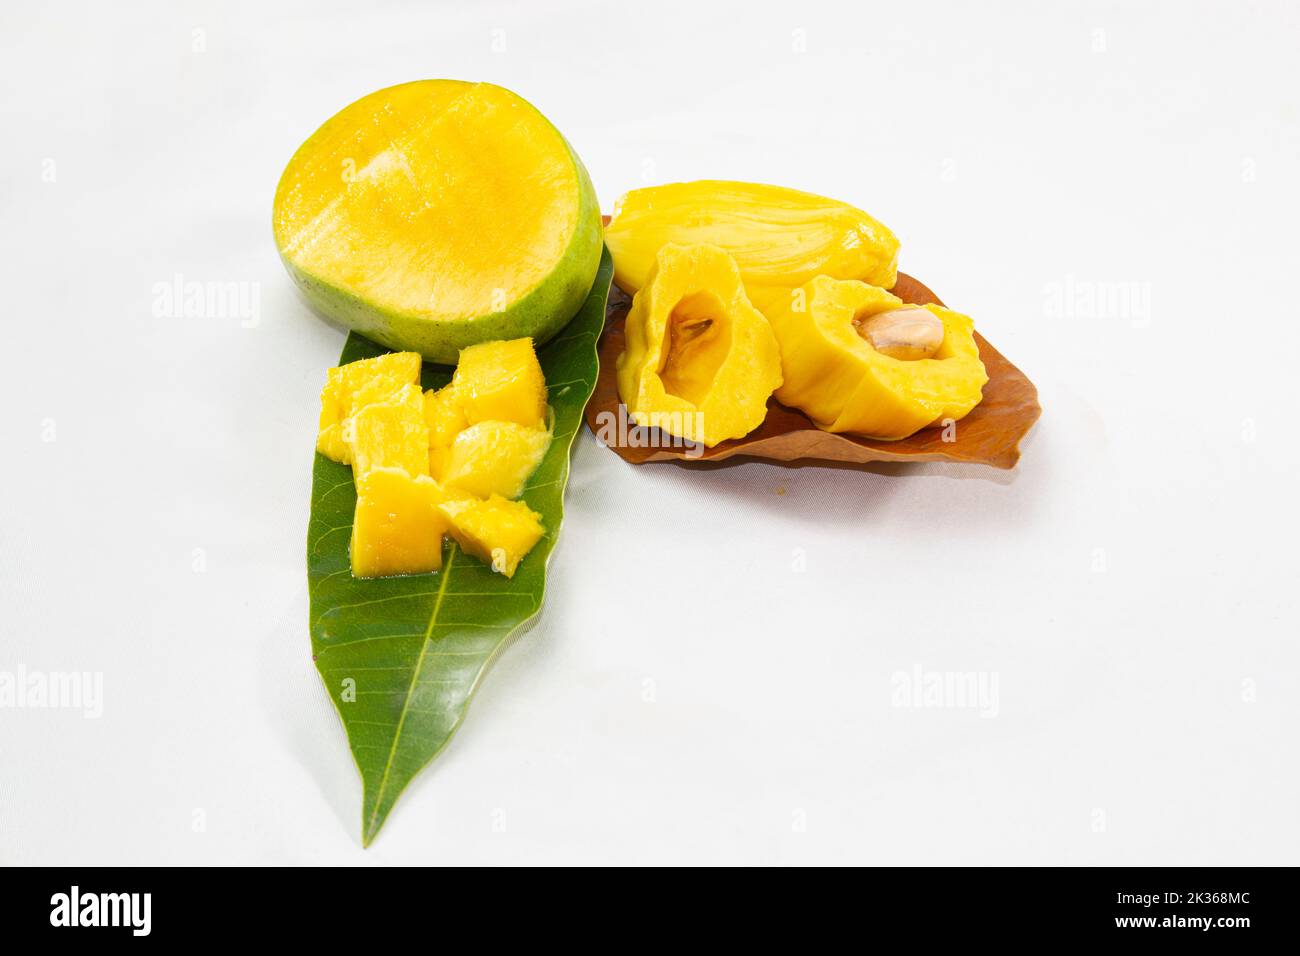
(350, 387)
(390, 434)
(443, 415)
(331, 443)
(498, 531)
(482, 436)
(494, 457)
(501, 381)
(398, 526)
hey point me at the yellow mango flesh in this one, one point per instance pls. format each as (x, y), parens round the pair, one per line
(391, 434)
(398, 439)
(436, 214)
(844, 385)
(352, 386)
(498, 531)
(438, 245)
(780, 238)
(494, 458)
(700, 361)
(398, 526)
(501, 381)
(443, 415)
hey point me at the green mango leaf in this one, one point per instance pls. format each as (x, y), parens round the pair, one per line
(401, 657)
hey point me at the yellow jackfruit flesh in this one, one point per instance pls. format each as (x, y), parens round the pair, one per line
(700, 361)
(780, 238)
(834, 375)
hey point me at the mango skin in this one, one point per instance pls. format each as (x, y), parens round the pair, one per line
(540, 313)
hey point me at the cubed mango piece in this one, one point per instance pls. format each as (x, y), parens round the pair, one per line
(443, 415)
(390, 434)
(494, 457)
(497, 531)
(398, 526)
(349, 387)
(501, 381)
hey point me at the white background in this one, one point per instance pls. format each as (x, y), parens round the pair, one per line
(714, 677)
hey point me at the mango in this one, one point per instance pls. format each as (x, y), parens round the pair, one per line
(438, 214)
(401, 442)
(349, 387)
(780, 238)
(700, 361)
(501, 381)
(494, 458)
(445, 419)
(498, 531)
(398, 525)
(391, 434)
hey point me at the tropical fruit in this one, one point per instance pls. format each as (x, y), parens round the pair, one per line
(413, 452)
(349, 387)
(445, 420)
(397, 527)
(493, 458)
(700, 361)
(501, 381)
(836, 375)
(438, 214)
(780, 238)
(391, 434)
(498, 531)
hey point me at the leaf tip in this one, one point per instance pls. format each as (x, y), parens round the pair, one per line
(369, 830)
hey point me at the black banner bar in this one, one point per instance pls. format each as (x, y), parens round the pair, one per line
(1176, 905)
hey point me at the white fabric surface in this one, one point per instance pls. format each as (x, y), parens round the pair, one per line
(716, 674)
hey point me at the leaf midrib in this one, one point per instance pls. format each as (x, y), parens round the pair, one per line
(410, 692)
